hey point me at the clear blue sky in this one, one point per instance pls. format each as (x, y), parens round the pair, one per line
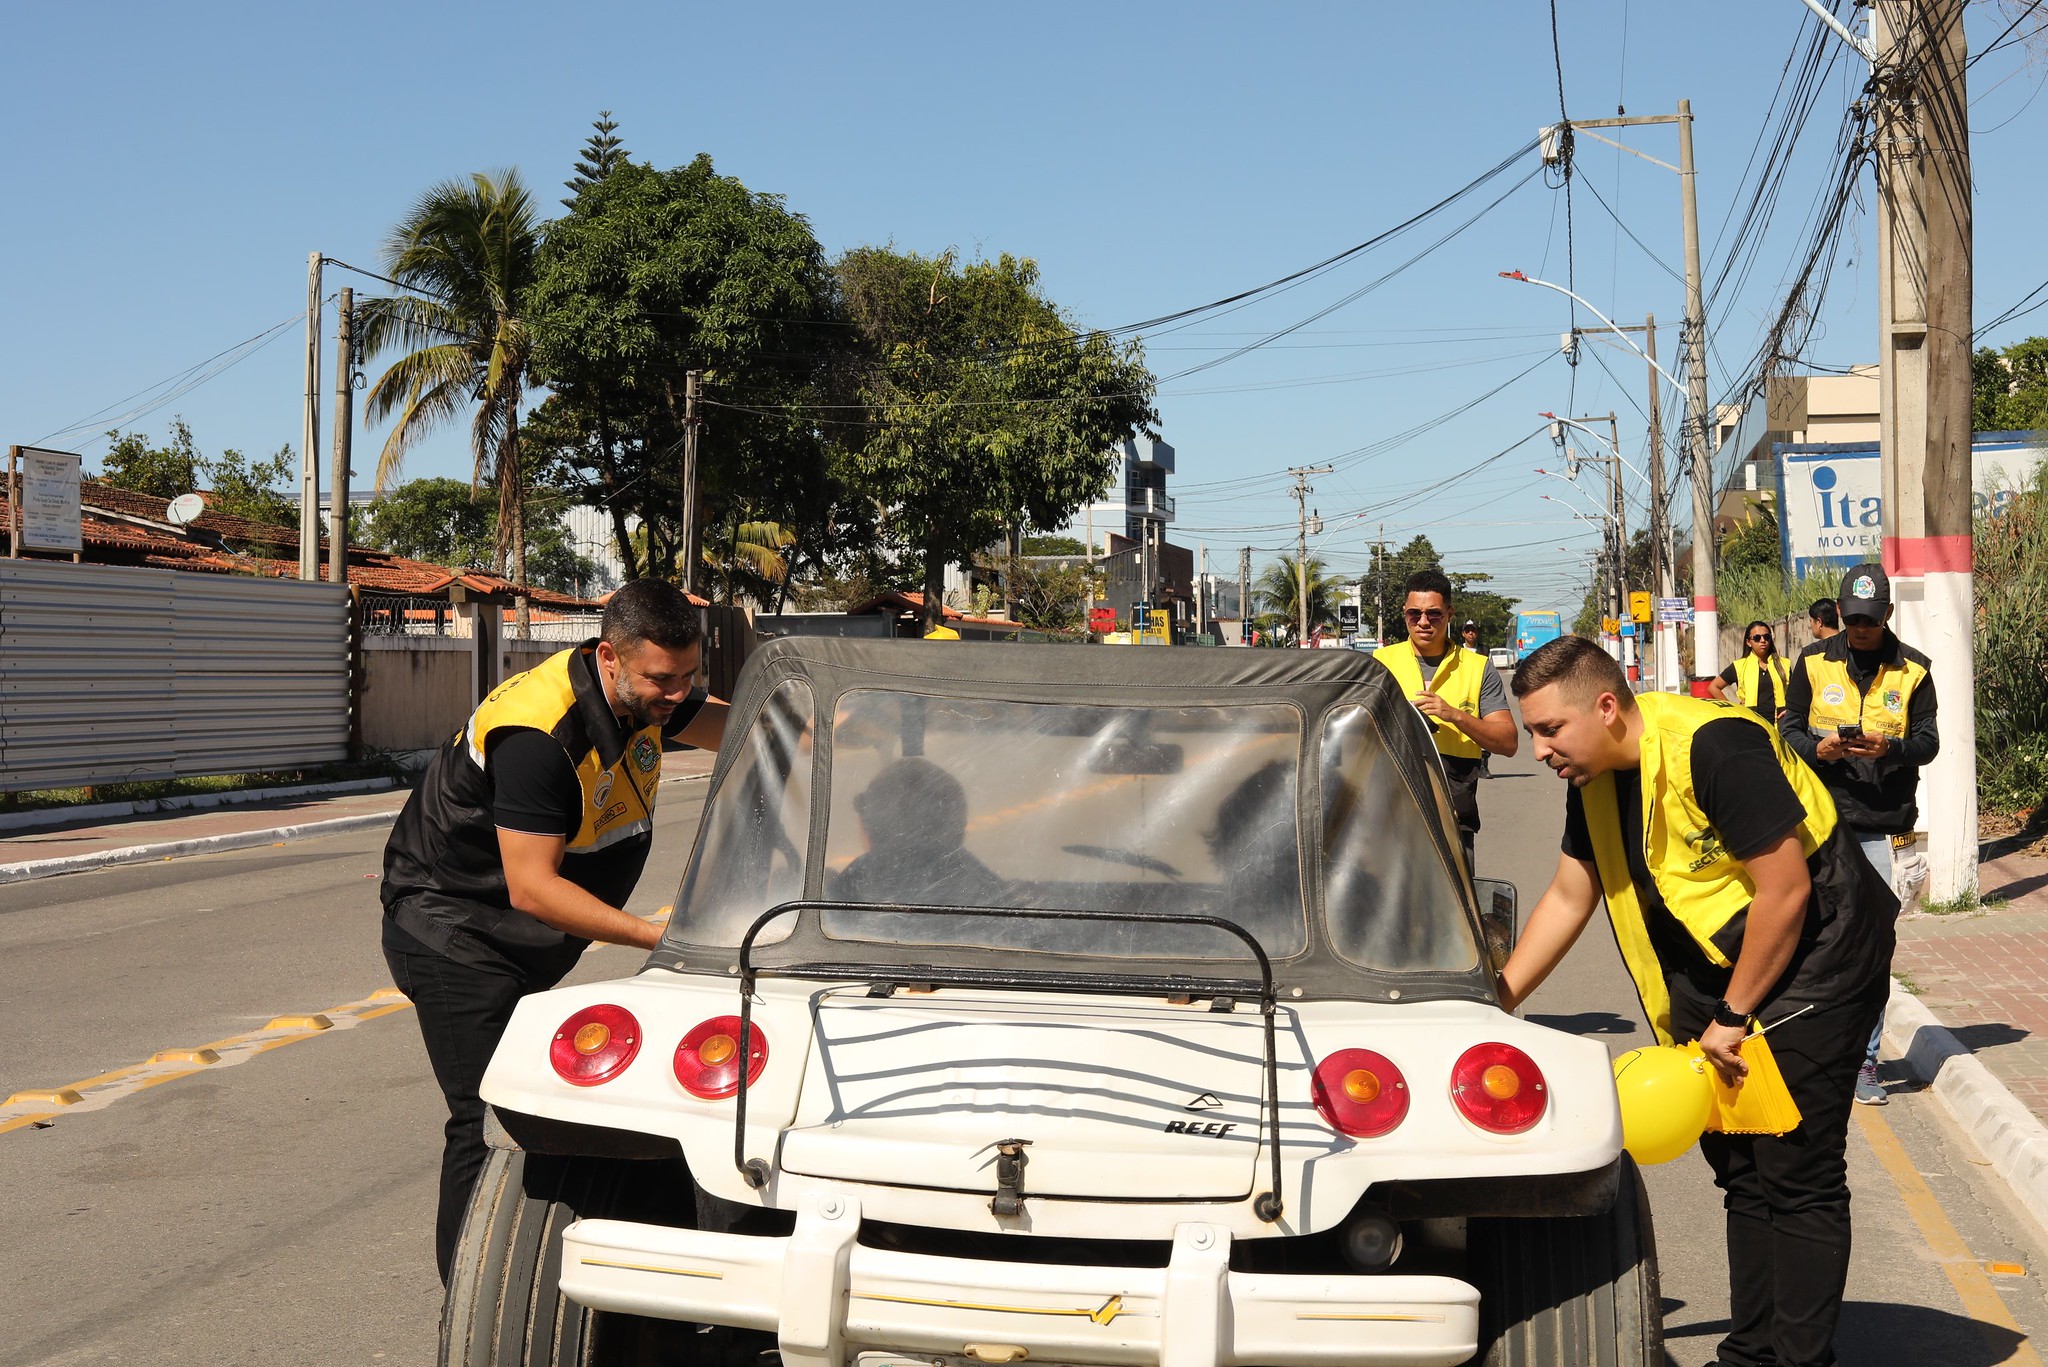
(169, 170)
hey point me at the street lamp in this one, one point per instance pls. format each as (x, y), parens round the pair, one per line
(1706, 645)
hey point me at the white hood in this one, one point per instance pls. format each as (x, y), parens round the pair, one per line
(1119, 1099)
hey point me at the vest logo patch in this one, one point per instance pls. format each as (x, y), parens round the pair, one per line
(1833, 695)
(1707, 841)
(603, 792)
(1894, 701)
(645, 755)
(612, 813)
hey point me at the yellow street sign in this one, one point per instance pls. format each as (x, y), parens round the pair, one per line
(1609, 626)
(1639, 607)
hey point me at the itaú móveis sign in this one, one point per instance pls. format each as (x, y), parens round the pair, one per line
(1831, 497)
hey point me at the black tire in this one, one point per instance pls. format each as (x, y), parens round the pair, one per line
(505, 1307)
(1576, 1291)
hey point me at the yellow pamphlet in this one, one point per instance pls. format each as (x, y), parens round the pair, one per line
(1759, 1104)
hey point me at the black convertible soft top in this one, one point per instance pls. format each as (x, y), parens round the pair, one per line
(1304, 687)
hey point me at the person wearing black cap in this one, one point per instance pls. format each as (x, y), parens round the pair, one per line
(1860, 710)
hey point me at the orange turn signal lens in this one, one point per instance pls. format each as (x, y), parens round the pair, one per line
(1361, 1085)
(592, 1037)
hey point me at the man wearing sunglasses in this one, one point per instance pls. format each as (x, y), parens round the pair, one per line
(1457, 693)
(1860, 710)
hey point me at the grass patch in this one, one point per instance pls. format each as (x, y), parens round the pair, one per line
(42, 799)
(1906, 983)
(1970, 904)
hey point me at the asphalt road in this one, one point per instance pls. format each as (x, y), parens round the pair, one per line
(276, 1207)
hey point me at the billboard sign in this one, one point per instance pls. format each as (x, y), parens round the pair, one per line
(1831, 497)
(49, 513)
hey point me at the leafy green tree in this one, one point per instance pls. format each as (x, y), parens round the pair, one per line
(2010, 387)
(436, 520)
(254, 490)
(1384, 581)
(985, 409)
(468, 249)
(163, 471)
(1277, 589)
(653, 274)
(1046, 597)
(603, 153)
(1053, 545)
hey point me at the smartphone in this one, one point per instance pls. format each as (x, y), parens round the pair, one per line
(1853, 731)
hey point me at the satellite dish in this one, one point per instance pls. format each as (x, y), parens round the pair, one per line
(185, 509)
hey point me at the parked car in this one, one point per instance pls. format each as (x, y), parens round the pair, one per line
(1073, 1006)
(1500, 657)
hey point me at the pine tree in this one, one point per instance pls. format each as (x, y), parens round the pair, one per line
(602, 154)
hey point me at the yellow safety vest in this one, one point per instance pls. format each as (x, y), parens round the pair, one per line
(1882, 711)
(1703, 885)
(1458, 677)
(1748, 678)
(618, 799)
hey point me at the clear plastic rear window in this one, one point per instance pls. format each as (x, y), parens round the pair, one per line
(752, 857)
(953, 802)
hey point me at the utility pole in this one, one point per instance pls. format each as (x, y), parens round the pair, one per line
(1661, 559)
(1302, 489)
(344, 421)
(1379, 583)
(1706, 612)
(1244, 595)
(1693, 344)
(309, 441)
(1202, 595)
(692, 387)
(1924, 238)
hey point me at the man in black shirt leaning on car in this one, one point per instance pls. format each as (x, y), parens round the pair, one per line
(524, 840)
(1737, 897)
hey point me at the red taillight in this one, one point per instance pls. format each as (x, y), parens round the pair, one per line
(1499, 1088)
(595, 1045)
(1359, 1093)
(708, 1059)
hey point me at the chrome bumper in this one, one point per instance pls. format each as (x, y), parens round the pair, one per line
(830, 1300)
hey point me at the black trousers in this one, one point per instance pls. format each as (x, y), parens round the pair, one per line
(463, 1012)
(1787, 1196)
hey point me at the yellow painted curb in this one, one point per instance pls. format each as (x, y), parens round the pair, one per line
(45, 1096)
(184, 1056)
(299, 1023)
(387, 994)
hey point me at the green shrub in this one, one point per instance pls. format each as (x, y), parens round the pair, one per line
(2012, 652)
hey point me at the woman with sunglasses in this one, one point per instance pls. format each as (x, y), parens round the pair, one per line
(1758, 676)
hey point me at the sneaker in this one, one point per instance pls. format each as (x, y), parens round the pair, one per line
(1869, 1091)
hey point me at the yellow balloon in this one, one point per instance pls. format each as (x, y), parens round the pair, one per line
(1666, 1100)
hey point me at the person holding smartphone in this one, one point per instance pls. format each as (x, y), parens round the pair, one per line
(1860, 709)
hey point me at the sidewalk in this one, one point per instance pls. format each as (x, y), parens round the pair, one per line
(1984, 975)
(71, 848)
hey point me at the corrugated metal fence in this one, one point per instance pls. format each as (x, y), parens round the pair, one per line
(110, 674)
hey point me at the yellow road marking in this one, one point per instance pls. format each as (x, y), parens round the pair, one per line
(169, 1065)
(1980, 1299)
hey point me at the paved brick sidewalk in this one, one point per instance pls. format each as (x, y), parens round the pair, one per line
(1985, 975)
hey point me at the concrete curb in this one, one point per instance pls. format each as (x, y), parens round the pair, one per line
(2011, 1136)
(205, 844)
(191, 802)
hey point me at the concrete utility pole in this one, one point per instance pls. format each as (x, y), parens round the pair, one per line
(692, 388)
(1244, 595)
(309, 441)
(1924, 238)
(1693, 343)
(1699, 420)
(1379, 579)
(344, 420)
(1302, 489)
(1662, 559)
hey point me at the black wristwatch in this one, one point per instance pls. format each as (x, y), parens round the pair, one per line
(1724, 1014)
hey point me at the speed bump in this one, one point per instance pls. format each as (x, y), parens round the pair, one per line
(315, 1022)
(46, 1096)
(388, 994)
(184, 1056)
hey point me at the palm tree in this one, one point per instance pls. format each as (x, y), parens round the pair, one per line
(467, 250)
(1278, 590)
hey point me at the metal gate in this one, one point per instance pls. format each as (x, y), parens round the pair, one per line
(110, 673)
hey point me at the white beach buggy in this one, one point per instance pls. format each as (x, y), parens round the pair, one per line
(1050, 1004)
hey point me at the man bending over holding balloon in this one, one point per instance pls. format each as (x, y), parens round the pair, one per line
(1737, 899)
